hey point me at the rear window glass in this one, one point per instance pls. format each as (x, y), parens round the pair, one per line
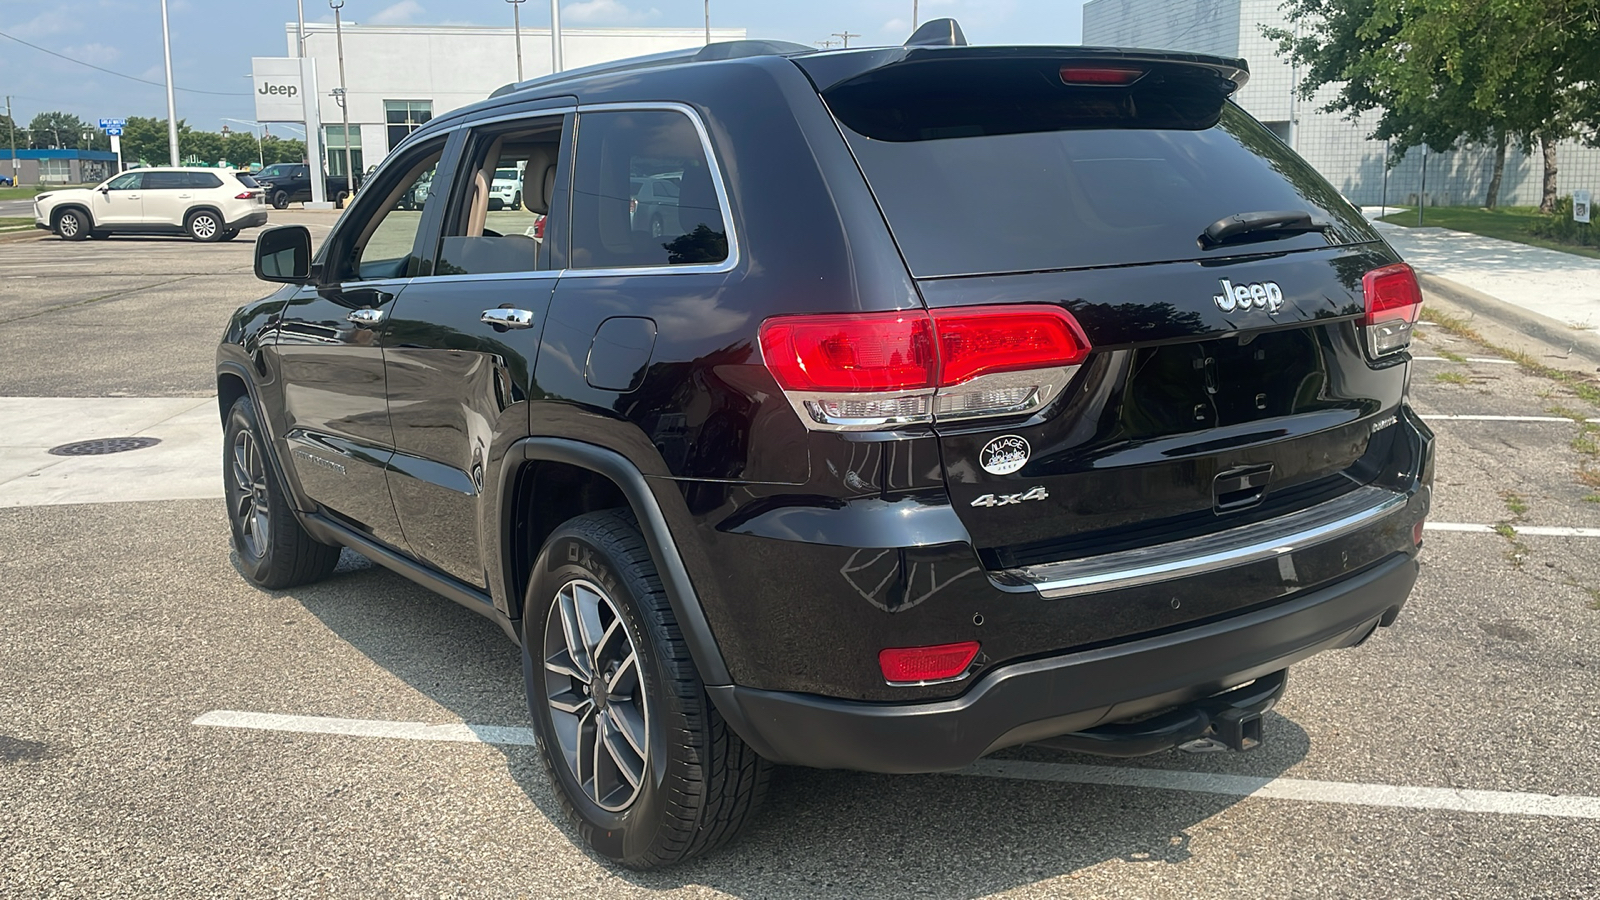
(1018, 173)
(247, 181)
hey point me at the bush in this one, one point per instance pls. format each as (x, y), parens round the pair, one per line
(1560, 227)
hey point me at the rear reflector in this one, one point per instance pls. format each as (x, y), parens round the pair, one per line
(920, 665)
(1099, 75)
(1394, 300)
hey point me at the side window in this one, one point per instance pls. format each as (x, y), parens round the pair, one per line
(202, 180)
(128, 181)
(643, 193)
(163, 181)
(497, 225)
(300, 172)
(382, 245)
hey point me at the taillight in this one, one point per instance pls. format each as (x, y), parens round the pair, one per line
(922, 665)
(1393, 299)
(247, 195)
(881, 370)
(1115, 76)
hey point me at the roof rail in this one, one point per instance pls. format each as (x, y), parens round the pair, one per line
(717, 51)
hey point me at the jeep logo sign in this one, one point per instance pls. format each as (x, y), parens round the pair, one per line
(280, 94)
(1259, 295)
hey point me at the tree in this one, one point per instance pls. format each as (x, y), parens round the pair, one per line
(276, 150)
(240, 149)
(1445, 72)
(56, 130)
(205, 147)
(145, 140)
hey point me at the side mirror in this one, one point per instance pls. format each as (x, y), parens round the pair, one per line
(105, 188)
(283, 255)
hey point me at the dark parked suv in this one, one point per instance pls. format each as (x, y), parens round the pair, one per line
(976, 396)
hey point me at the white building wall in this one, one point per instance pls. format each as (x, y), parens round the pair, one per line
(1335, 145)
(453, 66)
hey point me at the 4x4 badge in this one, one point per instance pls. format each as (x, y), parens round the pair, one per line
(1037, 493)
(1260, 295)
(1004, 455)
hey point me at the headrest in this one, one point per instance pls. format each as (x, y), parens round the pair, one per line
(539, 178)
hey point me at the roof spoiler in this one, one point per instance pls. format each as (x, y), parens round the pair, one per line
(938, 33)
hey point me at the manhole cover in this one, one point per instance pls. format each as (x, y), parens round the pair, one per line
(102, 446)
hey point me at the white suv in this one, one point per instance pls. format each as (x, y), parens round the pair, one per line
(205, 204)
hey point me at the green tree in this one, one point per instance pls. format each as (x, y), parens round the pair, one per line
(240, 149)
(1445, 72)
(276, 150)
(56, 130)
(144, 140)
(205, 147)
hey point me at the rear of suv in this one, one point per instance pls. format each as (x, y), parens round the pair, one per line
(204, 204)
(974, 397)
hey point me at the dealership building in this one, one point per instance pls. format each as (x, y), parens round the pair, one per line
(1337, 146)
(399, 77)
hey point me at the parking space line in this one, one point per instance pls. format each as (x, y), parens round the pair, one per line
(1451, 417)
(1514, 803)
(1535, 530)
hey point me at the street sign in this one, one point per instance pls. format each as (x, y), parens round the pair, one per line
(107, 124)
(1582, 206)
(114, 130)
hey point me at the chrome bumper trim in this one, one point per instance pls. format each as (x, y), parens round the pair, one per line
(1246, 544)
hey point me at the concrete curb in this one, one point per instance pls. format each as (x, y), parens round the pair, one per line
(31, 234)
(1540, 327)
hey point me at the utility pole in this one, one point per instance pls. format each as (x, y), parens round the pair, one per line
(913, 15)
(845, 36)
(16, 164)
(300, 20)
(824, 44)
(555, 36)
(344, 105)
(172, 107)
(708, 22)
(516, 25)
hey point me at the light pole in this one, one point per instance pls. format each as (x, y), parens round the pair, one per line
(172, 107)
(516, 25)
(913, 15)
(300, 20)
(344, 107)
(555, 36)
(708, 21)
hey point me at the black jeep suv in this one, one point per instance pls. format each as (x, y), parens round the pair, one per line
(974, 397)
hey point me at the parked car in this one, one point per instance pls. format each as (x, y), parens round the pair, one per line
(505, 192)
(287, 183)
(5, 181)
(205, 204)
(655, 204)
(813, 478)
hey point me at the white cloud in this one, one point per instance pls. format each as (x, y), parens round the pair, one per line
(54, 21)
(605, 12)
(98, 54)
(403, 13)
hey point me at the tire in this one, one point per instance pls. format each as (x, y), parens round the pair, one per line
(98, 235)
(698, 782)
(72, 225)
(228, 235)
(280, 199)
(274, 551)
(204, 226)
(340, 198)
(516, 200)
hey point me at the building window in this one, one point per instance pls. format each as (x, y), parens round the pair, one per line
(334, 140)
(404, 117)
(1281, 129)
(55, 171)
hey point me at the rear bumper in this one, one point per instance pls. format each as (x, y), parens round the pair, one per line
(250, 220)
(1043, 698)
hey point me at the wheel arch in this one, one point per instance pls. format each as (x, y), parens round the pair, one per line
(79, 208)
(585, 477)
(222, 220)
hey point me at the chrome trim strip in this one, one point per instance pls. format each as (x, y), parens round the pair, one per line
(1208, 553)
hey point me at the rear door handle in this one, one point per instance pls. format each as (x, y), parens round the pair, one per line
(507, 318)
(365, 316)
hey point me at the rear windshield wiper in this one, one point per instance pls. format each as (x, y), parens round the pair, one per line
(1258, 226)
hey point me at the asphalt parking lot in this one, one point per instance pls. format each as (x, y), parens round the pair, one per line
(1455, 754)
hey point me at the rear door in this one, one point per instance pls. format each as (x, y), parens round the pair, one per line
(1227, 381)
(162, 203)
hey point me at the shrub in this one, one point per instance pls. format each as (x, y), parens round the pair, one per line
(1560, 227)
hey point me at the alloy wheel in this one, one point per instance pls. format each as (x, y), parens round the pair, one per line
(203, 227)
(249, 504)
(68, 225)
(595, 695)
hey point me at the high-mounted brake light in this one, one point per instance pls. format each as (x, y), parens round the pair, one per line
(922, 665)
(1394, 300)
(1114, 76)
(857, 372)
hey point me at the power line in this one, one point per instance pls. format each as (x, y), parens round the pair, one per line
(118, 74)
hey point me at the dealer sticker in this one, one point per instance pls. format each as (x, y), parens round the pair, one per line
(1004, 455)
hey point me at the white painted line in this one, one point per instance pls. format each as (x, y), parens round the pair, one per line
(1445, 417)
(1455, 799)
(1471, 359)
(1535, 530)
(406, 731)
(1513, 803)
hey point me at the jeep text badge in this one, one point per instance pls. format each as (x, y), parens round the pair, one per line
(1260, 295)
(1004, 455)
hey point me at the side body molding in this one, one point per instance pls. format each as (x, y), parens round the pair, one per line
(652, 524)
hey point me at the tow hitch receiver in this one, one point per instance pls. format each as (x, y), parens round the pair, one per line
(1227, 721)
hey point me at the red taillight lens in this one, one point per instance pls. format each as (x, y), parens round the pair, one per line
(911, 665)
(1111, 75)
(979, 340)
(247, 195)
(851, 353)
(1394, 300)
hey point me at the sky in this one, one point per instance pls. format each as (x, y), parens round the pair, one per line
(213, 40)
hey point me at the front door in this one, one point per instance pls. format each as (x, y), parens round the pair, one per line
(120, 201)
(338, 441)
(460, 348)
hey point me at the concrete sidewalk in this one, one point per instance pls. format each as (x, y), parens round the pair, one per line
(1564, 287)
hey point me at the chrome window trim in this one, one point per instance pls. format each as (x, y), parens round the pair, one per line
(1246, 544)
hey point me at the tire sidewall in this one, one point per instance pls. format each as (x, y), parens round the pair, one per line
(80, 226)
(280, 200)
(216, 230)
(242, 417)
(570, 555)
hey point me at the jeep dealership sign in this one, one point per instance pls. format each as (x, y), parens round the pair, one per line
(280, 95)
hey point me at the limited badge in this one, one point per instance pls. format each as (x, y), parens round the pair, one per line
(1003, 455)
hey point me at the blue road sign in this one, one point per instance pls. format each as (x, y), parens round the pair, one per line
(114, 130)
(112, 123)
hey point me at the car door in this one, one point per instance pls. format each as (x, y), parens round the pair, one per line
(120, 200)
(460, 349)
(162, 205)
(337, 440)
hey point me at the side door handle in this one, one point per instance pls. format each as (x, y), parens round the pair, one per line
(365, 316)
(507, 318)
